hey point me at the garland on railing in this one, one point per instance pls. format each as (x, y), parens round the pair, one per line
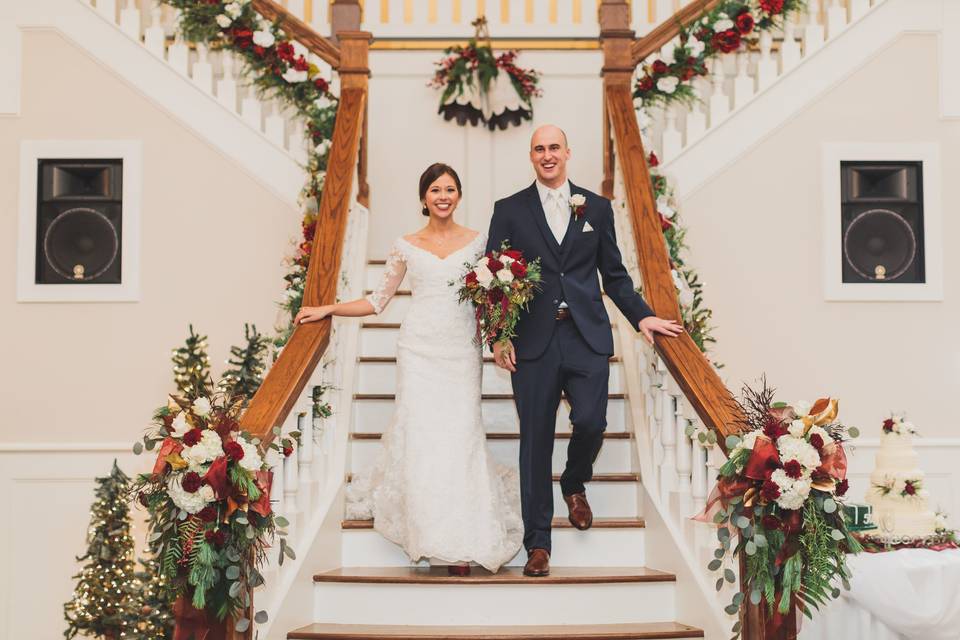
(479, 86)
(781, 490)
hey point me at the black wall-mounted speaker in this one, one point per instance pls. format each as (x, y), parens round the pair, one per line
(882, 222)
(79, 221)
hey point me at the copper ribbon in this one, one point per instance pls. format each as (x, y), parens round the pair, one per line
(189, 622)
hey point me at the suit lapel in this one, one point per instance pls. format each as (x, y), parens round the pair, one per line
(536, 209)
(575, 228)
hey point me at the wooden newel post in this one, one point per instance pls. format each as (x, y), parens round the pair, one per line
(616, 40)
(355, 73)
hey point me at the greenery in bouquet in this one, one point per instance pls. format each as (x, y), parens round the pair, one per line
(667, 78)
(782, 489)
(208, 495)
(500, 285)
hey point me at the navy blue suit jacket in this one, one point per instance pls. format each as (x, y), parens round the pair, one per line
(569, 270)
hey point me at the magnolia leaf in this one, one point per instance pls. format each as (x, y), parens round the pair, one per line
(730, 575)
(138, 448)
(242, 624)
(750, 548)
(732, 441)
(837, 535)
(232, 572)
(829, 506)
(261, 616)
(854, 432)
(714, 565)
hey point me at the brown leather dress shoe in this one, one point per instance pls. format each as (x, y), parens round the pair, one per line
(538, 564)
(581, 516)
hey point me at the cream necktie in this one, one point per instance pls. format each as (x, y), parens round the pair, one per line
(557, 218)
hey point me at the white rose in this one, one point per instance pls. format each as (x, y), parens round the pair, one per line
(207, 450)
(263, 39)
(224, 21)
(180, 426)
(802, 408)
(293, 76)
(251, 460)
(797, 428)
(201, 406)
(686, 297)
(578, 200)
(299, 49)
(507, 260)
(695, 47)
(233, 10)
(505, 276)
(723, 23)
(668, 84)
(484, 276)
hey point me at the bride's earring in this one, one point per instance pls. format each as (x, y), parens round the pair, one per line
(424, 210)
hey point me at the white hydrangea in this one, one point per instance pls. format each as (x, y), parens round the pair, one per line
(798, 449)
(793, 492)
(189, 502)
(723, 24)
(207, 450)
(180, 425)
(668, 84)
(201, 406)
(797, 428)
(233, 10)
(251, 460)
(224, 21)
(505, 275)
(820, 431)
(484, 275)
(263, 39)
(293, 76)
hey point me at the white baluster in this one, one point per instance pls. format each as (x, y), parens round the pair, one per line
(275, 124)
(672, 141)
(668, 437)
(178, 55)
(296, 7)
(565, 16)
(227, 85)
(155, 36)
(298, 145)
(790, 49)
(445, 16)
(813, 35)
(251, 110)
(291, 486)
(305, 460)
(766, 65)
(836, 19)
(276, 489)
(696, 117)
(108, 8)
(203, 70)
(684, 462)
(742, 84)
(699, 477)
(858, 8)
(719, 101)
(130, 19)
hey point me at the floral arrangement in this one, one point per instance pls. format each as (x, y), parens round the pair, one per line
(903, 486)
(500, 285)
(722, 30)
(477, 85)
(896, 424)
(209, 500)
(782, 488)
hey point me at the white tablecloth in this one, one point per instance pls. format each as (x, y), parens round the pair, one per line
(910, 594)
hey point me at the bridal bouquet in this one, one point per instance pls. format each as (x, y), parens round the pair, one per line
(209, 501)
(782, 490)
(500, 285)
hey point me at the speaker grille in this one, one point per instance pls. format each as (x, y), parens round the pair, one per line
(81, 244)
(879, 245)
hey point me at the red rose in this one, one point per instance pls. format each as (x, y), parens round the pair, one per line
(770, 522)
(301, 64)
(494, 265)
(888, 425)
(660, 67)
(192, 437)
(842, 487)
(518, 269)
(665, 223)
(514, 253)
(208, 514)
(257, 49)
(653, 160)
(770, 491)
(909, 489)
(687, 73)
(745, 22)
(285, 51)
(142, 498)
(703, 34)
(243, 38)
(191, 482)
(645, 84)
(287, 451)
(793, 469)
(726, 41)
(216, 537)
(817, 441)
(772, 7)
(233, 450)
(471, 278)
(321, 85)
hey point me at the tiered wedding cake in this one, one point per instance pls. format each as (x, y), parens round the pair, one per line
(896, 485)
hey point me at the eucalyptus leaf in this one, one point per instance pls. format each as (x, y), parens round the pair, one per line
(750, 548)
(138, 448)
(714, 565)
(702, 437)
(854, 432)
(723, 534)
(232, 555)
(242, 624)
(759, 539)
(730, 576)
(835, 593)
(150, 444)
(282, 522)
(719, 584)
(251, 534)
(242, 520)
(719, 553)
(738, 598)
(732, 441)
(232, 572)
(837, 535)
(261, 616)
(829, 506)
(289, 552)
(742, 522)
(755, 596)
(234, 589)
(731, 609)
(689, 430)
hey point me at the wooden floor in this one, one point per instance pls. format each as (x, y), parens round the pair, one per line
(506, 575)
(638, 631)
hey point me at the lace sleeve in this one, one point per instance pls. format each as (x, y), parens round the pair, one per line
(392, 277)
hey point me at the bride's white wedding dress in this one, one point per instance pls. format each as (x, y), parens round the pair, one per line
(435, 490)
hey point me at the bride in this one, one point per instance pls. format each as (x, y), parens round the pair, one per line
(435, 489)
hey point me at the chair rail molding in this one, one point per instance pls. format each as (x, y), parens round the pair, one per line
(834, 289)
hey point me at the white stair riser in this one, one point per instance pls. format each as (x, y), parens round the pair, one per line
(571, 548)
(499, 416)
(616, 456)
(381, 377)
(461, 604)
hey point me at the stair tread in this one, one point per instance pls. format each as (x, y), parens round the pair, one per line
(406, 292)
(597, 477)
(631, 631)
(558, 523)
(484, 396)
(390, 325)
(506, 575)
(561, 435)
(393, 359)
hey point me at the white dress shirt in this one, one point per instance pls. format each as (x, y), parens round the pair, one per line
(556, 206)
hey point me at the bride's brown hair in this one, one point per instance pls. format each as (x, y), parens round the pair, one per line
(430, 176)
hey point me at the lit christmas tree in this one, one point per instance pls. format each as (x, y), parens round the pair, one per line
(191, 367)
(247, 365)
(105, 602)
(155, 614)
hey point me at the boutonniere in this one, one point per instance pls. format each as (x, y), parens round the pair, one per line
(578, 204)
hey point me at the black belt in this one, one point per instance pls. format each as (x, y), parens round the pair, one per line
(563, 313)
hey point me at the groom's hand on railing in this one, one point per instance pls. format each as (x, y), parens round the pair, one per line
(504, 356)
(652, 324)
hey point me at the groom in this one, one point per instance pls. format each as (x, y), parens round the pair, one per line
(564, 341)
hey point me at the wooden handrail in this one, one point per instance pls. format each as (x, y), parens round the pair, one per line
(701, 385)
(299, 31)
(286, 379)
(670, 29)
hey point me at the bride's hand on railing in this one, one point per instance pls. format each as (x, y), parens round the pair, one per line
(312, 314)
(652, 324)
